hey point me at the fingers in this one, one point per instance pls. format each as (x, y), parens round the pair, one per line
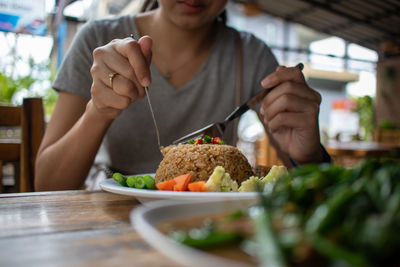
(290, 120)
(283, 74)
(125, 87)
(104, 98)
(280, 68)
(290, 114)
(111, 102)
(146, 43)
(297, 89)
(121, 87)
(291, 94)
(130, 60)
(108, 60)
(130, 49)
(289, 103)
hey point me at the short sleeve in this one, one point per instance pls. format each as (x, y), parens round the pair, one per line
(74, 73)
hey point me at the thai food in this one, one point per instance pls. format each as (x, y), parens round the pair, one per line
(201, 160)
(204, 165)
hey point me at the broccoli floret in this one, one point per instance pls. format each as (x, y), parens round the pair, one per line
(275, 173)
(221, 181)
(250, 185)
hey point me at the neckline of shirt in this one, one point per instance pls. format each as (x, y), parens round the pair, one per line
(187, 85)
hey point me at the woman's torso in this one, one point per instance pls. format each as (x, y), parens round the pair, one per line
(131, 142)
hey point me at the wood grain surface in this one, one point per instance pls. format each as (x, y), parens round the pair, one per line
(72, 228)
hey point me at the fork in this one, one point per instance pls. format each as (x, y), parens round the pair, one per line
(218, 128)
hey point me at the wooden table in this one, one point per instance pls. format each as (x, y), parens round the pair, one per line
(349, 153)
(357, 148)
(72, 228)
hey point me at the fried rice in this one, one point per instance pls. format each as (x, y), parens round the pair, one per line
(200, 161)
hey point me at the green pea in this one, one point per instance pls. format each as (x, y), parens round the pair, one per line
(119, 178)
(130, 181)
(149, 182)
(139, 182)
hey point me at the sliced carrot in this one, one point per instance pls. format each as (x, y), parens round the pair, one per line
(166, 185)
(199, 186)
(182, 182)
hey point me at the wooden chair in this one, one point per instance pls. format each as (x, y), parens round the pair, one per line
(266, 154)
(30, 118)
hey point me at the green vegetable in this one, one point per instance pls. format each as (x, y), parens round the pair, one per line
(270, 253)
(139, 182)
(206, 237)
(225, 189)
(130, 181)
(207, 139)
(335, 252)
(349, 217)
(149, 182)
(119, 178)
(235, 215)
(321, 215)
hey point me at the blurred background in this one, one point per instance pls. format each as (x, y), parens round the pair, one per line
(351, 52)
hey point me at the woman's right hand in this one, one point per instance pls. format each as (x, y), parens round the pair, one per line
(130, 61)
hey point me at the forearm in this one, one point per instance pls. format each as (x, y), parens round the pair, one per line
(65, 164)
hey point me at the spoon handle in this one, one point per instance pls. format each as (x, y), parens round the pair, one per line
(252, 102)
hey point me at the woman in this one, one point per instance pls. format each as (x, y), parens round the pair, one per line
(187, 58)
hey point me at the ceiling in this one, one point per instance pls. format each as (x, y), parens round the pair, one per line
(369, 23)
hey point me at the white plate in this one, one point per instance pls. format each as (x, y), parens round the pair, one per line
(146, 218)
(145, 195)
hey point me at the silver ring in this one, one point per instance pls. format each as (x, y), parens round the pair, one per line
(111, 77)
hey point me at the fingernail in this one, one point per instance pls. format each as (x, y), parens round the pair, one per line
(145, 81)
(280, 68)
(264, 82)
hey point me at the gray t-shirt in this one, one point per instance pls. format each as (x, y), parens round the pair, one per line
(131, 142)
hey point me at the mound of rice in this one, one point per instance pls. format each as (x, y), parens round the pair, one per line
(200, 161)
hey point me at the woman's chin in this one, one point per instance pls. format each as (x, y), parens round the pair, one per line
(191, 22)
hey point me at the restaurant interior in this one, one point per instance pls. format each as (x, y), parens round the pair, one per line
(350, 51)
(351, 55)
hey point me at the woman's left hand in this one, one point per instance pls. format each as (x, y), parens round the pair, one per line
(290, 115)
